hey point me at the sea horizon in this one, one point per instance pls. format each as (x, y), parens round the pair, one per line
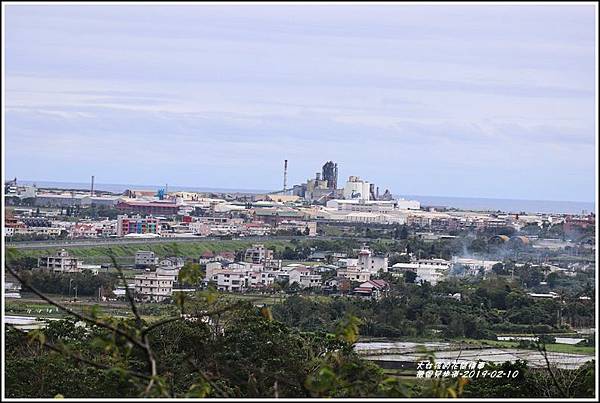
(458, 202)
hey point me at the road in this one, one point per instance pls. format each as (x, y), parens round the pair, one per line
(126, 241)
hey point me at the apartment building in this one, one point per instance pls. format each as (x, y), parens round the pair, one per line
(232, 280)
(354, 273)
(258, 254)
(137, 225)
(154, 286)
(304, 277)
(61, 262)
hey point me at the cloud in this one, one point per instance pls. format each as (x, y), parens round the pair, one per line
(450, 99)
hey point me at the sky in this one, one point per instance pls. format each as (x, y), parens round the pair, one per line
(453, 100)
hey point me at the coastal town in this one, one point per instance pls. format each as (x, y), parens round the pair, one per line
(42, 214)
(337, 201)
(317, 209)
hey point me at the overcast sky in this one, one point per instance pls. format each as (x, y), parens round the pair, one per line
(482, 101)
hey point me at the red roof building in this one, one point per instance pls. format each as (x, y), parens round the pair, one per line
(155, 208)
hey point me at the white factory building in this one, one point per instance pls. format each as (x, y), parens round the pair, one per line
(357, 188)
(373, 206)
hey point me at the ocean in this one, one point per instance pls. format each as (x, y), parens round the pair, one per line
(120, 188)
(463, 203)
(506, 205)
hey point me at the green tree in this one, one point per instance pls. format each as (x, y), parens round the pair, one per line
(410, 277)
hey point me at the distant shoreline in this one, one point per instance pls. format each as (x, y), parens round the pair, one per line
(463, 203)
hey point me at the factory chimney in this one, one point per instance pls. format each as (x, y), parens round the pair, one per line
(92, 188)
(285, 175)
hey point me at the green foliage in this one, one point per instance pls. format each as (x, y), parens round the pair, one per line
(534, 382)
(410, 276)
(86, 282)
(191, 274)
(347, 329)
(490, 307)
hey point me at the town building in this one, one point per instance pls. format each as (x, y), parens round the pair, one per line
(137, 225)
(337, 284)
(153, 286)
(258, 254)
(44, 231)
(58, 199)
(145, 258)
(158, 207)
(367, 261)
(61, 262)
(430, 270)
(94, 201)
(354, 273)
(171, 263)
(304, 278)
(232, 280)
(372, 289)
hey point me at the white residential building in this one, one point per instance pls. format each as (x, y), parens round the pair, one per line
(49, 231)
(367, 261)
(430, 270)
(211, 268)
(154, 286)
(258, 254)
(267, 278)
(354, 273)
(60, 262)
(473, 266)
(232, 280)
(171, 263)
(304, 277)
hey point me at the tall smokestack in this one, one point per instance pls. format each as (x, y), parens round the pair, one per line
(92, 188)
(284, 175)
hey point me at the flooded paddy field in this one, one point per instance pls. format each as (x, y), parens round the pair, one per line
(407, 354)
